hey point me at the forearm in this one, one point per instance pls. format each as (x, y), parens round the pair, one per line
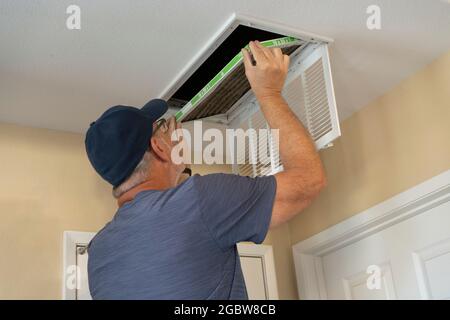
(303, 176)
(297, 150)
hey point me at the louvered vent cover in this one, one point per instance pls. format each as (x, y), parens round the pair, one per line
(244, 165)
(309, 93)
(263, 166)
(307, 96)
(260, 157)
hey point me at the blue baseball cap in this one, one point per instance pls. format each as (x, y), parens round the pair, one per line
(116, 142)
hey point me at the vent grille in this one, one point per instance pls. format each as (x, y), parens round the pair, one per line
(261, 149)
(307, 96)
(244, 165)
(260, 157)
(309, 93)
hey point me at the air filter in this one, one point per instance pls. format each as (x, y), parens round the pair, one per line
(228, 86)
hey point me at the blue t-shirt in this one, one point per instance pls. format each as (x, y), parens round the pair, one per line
(180, 243)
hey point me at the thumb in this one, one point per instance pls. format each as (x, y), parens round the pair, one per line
(247, 59)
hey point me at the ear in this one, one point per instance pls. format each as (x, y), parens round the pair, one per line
(160, 149)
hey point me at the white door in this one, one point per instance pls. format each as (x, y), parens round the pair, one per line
(258, 268)
(402, 252)
(406, 255)
(253, 270)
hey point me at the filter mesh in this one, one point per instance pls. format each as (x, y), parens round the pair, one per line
(227, 93)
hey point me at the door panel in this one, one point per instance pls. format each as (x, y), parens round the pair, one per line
(412, 257)
(253, 270)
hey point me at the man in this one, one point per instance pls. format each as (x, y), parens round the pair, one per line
(171, 240)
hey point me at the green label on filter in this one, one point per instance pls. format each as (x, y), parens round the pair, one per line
(279, 42)
(178, 114)
(225, 71)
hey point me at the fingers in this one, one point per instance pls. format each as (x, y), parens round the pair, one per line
(286, 60)
(172, 122)
(280, 58)
(263, 55)
(258, 53)
(278, 54)
(247, 59)
(267, 51)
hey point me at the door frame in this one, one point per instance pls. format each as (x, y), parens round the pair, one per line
(265, 253)
(71, 241)
(74, 239)
(414, 201)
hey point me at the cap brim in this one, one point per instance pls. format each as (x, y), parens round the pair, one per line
(155, 108)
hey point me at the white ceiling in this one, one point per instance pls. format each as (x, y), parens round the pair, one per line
(129, 51)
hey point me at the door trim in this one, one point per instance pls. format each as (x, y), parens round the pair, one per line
(72, 240)
(308, 253)
(265, 253)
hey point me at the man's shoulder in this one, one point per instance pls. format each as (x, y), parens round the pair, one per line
(215, 177)
(227, 179)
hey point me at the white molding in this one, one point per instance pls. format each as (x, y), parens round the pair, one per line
(336, 129)
(72, 239)
(420, 258)
(308, 253)
(200, 57)
(279, 28)
(265, 252)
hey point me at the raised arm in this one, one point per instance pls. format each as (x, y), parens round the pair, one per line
(303, 176)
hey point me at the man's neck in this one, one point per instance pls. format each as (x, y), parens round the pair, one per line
(147, 185)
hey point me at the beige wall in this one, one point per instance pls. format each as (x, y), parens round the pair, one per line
(47, 187)
(280, 240)
(396, 142)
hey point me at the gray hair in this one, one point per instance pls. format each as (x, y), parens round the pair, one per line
(139, 175)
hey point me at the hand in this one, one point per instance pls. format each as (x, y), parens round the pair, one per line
(267, 77)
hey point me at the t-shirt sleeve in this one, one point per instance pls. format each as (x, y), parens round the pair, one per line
(235, 208)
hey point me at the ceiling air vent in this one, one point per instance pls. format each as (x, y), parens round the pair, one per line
(228, 85)
(214, 87)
